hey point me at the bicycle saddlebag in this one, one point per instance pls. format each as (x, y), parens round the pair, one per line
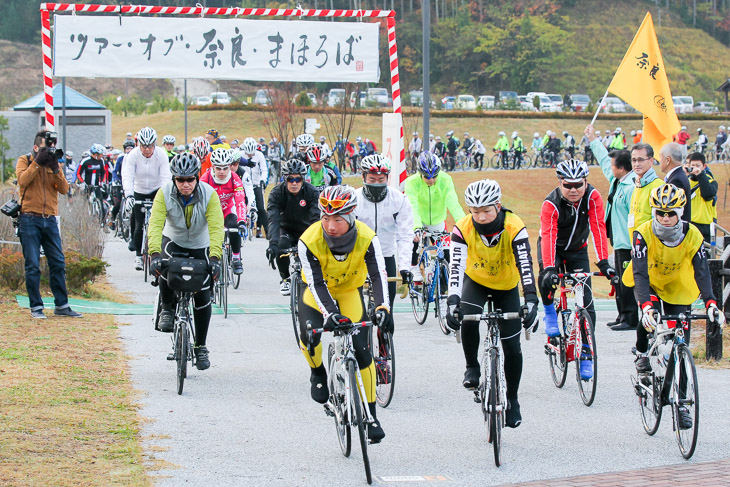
(187, 274)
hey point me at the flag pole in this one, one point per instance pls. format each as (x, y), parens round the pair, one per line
(599, 107)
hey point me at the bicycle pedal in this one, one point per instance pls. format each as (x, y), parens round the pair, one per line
(328, 409)
(170, 356)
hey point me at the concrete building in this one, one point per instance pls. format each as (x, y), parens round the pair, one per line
(87, 122)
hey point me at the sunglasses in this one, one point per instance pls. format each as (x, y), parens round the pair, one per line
(334, 204)
(185, 180)
(662, 214)
(570, 186)
(294, 180)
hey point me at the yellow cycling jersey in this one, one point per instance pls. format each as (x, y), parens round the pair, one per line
(671, 273)
(340, 276)
(492, 267)
(640, 211)
(703, 211)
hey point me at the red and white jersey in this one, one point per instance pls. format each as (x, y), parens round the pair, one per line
(233, 199)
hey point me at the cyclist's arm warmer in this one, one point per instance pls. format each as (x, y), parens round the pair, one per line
(642, 290)
(404, 233)
(702, 275)
(708, 187)
(80, 171)
(598, 225)
(239, 198)
(457, 266)
(523, 260)
(272, 212)
(158, 215)
(452, 202)
(378, 275)
(214, 215)
(548, 233)
(315, 281)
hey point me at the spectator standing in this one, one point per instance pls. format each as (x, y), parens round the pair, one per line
(682, 138)
(41, 180)
(704, 194)
(670, 162)
(720, 140)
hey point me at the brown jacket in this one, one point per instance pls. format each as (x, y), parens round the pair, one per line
(39, 187)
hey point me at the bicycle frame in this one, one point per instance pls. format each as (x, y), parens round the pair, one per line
(432, 253)
(572, 283)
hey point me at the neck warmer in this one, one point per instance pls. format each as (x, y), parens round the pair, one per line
(667, 234)
(343, 244)
(492, 228)
(221, 181)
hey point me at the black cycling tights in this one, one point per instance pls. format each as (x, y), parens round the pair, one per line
(138, 218)
(231, 221)
(473, 298)
(201, 300)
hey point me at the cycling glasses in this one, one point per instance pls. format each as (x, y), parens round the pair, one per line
(334, 204)
(570, 186)
(295, 180)
(662, 213)
(186, 180)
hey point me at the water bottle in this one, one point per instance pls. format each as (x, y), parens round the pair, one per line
(663, 351)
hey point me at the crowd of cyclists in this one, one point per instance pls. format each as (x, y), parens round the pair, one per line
(191, 198)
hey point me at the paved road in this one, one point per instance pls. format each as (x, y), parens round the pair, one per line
(248, 420)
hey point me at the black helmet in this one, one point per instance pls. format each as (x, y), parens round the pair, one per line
(185, 164)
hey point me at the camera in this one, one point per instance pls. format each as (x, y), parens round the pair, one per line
(51, 140)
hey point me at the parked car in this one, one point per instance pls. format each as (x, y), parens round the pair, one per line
(203, 100)
(379, 96)
(220, 97)
(356, 101)
(577, 102)
(507, 98)
(466, 102)
(526, 103)
(546, 104)
(336, 97)
(532, 94)
(705, 107)
(448, 102)
(486, 102)
(416, 98)
(614, 105)
(557, 101)
(683, 104)
(263, 97)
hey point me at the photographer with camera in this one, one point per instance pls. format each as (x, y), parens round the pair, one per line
(41, 180)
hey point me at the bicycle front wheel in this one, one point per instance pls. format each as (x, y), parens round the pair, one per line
(555, 349)
(439, 303)
(526, 160)
(494, 161)
(338, 405)
(181, 353)
(648, 389)
(587, 374)
(495, 408)
(685, 397)
(357, 404)
(224, 286)
(384, 355)
(419, 301)
(293, 305)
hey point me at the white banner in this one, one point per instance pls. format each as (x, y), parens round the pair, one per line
(208, 48)
(391, 146)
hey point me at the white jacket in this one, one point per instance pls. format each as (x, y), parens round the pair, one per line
(145, 175)
(261, 171)
(394, 225)
(248, 189)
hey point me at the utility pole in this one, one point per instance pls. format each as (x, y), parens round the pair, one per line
(426, 13)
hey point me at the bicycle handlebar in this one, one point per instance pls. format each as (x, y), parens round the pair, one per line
(488, 316)
(683, 316)
(343, 327)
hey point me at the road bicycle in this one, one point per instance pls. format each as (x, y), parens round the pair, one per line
(465, 160)
(347, 403)
(146, 210)
(123, 224)
(383, 349)
(492, 390)
(295, 282)
(220, 286)
(433, 288)
(253, 218)
(577, 340)
(98, 205)
(672, 381)
(232, 278)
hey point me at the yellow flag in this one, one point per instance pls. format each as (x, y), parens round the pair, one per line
(641, 81)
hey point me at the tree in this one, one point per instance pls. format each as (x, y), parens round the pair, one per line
(6, 169)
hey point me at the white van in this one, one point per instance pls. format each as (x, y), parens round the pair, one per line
(336, 97)
(683, 104)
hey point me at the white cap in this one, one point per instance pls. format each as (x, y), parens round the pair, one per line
(501, 134)
(536, 134)
(633, 132)
(69, 153)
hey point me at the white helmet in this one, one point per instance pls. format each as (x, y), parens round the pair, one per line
(536, 134)
(514, 134)
(168, 139)
(221, 157)
(501, 134)
(249, 146)
(722, 127)
(147, 136)
(483, 193)
(304, 140)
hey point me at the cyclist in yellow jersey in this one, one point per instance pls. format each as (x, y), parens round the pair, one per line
(669, 271)
(490, 254)
(703, 189)
(337, 254)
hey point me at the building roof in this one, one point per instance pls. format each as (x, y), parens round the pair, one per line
(725, 86)
(74, 99)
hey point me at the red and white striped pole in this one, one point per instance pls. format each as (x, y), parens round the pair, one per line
(47, 69)
(395, 86)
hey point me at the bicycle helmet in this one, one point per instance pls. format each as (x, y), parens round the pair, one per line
(147, 136)
(722, 127)
(483, 193)
(262, 140)
(375, 164)
(293, 166)
(168, 139)
(221, 157)
(128, 143)
(667, 197)
(699, 130)
(97, 149)
(249, 146)
(429, 164)
(201, 147)
(536, 134)
(337, 200)
(85, 154)
(358, 139)
(572, 170)
(501, 134)
(322, 138)
(304, 140)
(565, 133)
(184, 165)
(315, 154)
(514, 134)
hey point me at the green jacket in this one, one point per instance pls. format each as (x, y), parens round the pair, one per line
(502, 144)
(429, 203)
(621, 206)
(517, 145)
(617, 143)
